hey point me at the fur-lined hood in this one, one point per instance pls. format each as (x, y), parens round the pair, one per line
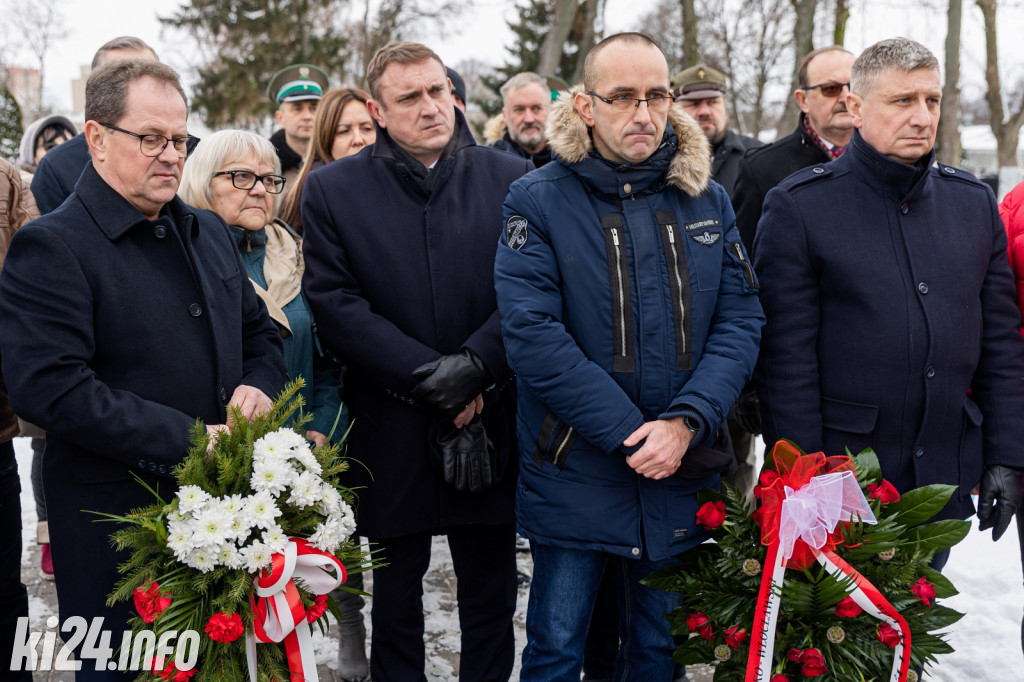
(495, 128)
(569, 138)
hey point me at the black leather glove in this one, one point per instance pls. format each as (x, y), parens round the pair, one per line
(451, 382)
(747, 410)
(467, 456)
(1002, 489)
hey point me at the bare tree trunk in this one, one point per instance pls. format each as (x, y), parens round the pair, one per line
(842, 15)
(1006, 130)
(691, 50)
(803, 42)
(551, 48)
(591, 10)
(948, 143)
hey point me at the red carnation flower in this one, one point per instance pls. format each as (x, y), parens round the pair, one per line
(711, 515)
(317, 609)
(768, 476)
(735, 636)
(888, 635)
(924, 591)
(847, 608)
(150, 603)
(779, 678)
(812, 663)
(171, 673)
(224, 627)
(885, 492)
(699, 623)
(795, 655)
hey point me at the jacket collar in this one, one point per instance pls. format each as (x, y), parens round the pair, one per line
(897, 180)
(683, 159)
(114, 216)
(289, 159)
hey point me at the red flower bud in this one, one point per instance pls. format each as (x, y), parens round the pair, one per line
(924, 591)
(711, 515)
(735, 636)
(318, 608)
(699, 623)
(812, 663)
(795, 655)
(888, 635)
(779, 678)
(150, 603)
(847, 608)
(885, 492)
(224, 627)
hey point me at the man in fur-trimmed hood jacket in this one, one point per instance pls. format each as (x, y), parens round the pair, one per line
(630, 315)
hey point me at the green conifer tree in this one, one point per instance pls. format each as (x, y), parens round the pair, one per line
(11, 126)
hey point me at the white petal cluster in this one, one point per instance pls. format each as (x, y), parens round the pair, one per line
(242, 531)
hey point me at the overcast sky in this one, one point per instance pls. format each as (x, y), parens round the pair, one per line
(483, 32)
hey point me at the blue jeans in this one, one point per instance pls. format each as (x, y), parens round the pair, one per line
(562, 592)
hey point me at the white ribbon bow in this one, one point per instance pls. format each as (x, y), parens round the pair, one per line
(813, 512)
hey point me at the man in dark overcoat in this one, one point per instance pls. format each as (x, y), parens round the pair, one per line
(399, 249)
(125, 316)
(891, 310)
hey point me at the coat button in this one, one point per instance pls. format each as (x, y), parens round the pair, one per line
(285, 333)
(905, 209)
(195, 310)
(142, 464)
(819, 170)
(223, 394)
(627, 188)
(923, 288)
(162, 468)
(930, 373)
(160, 231)
(918, 451)
(949, 170)
(636, 551)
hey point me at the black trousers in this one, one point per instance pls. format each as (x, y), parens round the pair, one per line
(13, 595)
(485, 568)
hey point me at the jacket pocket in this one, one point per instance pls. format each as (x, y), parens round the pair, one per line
(554, 441)
(232, 281)
(622, 302)
(847, 425)
(679, 286)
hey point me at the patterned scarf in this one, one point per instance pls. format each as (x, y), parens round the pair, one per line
(835, 151)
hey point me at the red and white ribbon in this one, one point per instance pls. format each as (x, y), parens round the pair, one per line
(279, 614)
(810, 514)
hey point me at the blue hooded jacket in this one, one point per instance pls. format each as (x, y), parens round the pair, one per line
(625, 296)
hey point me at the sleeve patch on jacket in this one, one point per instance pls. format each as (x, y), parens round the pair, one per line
(515, 232)
(707, 238)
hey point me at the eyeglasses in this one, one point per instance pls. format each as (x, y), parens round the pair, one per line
(246, 180)
(153, 145)
(829, 90)
(660, 102)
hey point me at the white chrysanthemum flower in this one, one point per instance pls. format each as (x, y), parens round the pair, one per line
(180, 539)
(241, 526)
(322, 538)
(272, 475)
(330, 500)
(275, 539)
(344, 523)
(212, 526)
(305, 489)
(232, 504)
(191, 498)
(203, 559)
(276, 445)
(307, 459)
(228, 555)
(256, 557)
(261, 509)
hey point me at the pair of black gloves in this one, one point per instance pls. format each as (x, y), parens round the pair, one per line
(999, 498)
(446, 386)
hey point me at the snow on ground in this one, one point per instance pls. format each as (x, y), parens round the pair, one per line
(987, 640)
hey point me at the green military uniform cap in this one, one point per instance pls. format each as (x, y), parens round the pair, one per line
(297, 82)
(556, 85)
(699, 82)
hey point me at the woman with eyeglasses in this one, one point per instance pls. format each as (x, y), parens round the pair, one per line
(237, 175)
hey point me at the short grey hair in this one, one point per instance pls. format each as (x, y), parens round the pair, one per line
(120, 43)
(223, 146)
(106, 91)
(892, 54)
(522, 80)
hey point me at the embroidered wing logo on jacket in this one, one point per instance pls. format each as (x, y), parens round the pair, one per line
(706, 238)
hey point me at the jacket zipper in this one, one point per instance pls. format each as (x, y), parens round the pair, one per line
(561, 449)
(679, 285)
(622, 305)
(748, 272)
(621, 294)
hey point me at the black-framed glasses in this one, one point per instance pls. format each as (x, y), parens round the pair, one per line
(830, 89)
(153, 145)
(243, 179)
(658, 101)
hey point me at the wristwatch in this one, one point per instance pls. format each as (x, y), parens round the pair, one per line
(691, 423)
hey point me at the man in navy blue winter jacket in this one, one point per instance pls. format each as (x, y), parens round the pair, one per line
(629, 312)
